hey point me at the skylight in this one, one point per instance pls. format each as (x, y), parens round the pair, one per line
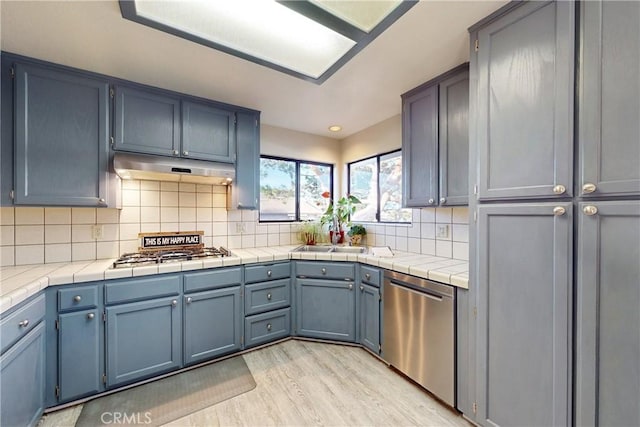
(307, 39)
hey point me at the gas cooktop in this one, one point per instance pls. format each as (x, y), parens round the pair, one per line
(136, 259)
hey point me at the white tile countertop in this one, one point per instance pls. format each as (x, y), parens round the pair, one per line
(20, 282)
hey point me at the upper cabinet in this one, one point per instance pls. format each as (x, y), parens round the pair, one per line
(153, 122)
(524, 110)
(609, 99)
(245, 191)
(61, 137)
(435, 141)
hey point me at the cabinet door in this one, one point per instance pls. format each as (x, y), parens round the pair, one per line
(246, 188)
(212, 324)
(525, 102)
(524, 316)
(80, 354)
(420, 148)
(369, 310)
(608, 319)
(143, 338)
(453, 143)
(208, 133)
(22, 380)
(6, 132)
(609, 98)
(326, 309)
(61, 138)
(146, 122)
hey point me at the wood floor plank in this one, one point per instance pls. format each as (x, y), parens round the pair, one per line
(304, 383)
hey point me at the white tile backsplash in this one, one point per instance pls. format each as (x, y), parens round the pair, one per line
(35, 235)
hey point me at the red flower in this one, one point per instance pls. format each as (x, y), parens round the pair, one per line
(326, 195)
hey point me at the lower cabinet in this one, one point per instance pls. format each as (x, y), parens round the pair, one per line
(80, 354)
(212, 324)
(267, 327)
(369, 312)
(22, 380)
(143, 339)
(326, 309)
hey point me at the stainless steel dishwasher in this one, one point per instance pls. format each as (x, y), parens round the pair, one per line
(419, 333)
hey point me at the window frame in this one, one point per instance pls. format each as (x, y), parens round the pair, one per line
(377, 157)
(297, 162)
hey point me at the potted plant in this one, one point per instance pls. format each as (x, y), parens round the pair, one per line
(356, 233)
(309, 232)
(339, 213)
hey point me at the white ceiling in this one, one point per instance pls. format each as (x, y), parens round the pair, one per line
(428, 40)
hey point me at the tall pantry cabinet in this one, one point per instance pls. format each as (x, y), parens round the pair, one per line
(553, 247)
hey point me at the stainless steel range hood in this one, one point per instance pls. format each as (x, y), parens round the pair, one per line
(158, 168)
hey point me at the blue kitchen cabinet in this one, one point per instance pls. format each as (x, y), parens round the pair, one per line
(607, 385)
(609, 99)
(61, 137)
(523, 107)
(326, 309)
(146, 121)
(368, 301)
(80, 354)
(212, 324)
(143, 338)
(22, 380)
(524, 290)
(245, 190)
(6, 132)
(208, 132)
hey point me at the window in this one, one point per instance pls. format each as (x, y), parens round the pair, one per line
(291, 190)
(377, 182)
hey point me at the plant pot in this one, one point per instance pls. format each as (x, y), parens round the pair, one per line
(356, 239)
(309, 238)
(340, 239)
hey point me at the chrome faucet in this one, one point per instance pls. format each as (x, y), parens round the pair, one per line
(336, 233)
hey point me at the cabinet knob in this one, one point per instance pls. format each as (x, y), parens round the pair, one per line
(350, 286)
(102, 201)
(268, 326)
(176, 152)
(590, 210)
(269, 273)
(367, 276)
(24, 323)
(361, 288)
(90, 316)
(430, 201)
(174, 303)
(324, 271)
(269, 296)
(442, 200)
(189, 300)
(588, 188)
(77, 298)
(559, 211)
(185, 153)
(559, 189)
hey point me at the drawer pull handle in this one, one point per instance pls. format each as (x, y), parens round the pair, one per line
(24, 323)
(269, 296)
(77, 298)
(268, 326)
(269, 273)
(367, 276)
(324, 271)
(174, 303)
(189, 300)
(90, 316)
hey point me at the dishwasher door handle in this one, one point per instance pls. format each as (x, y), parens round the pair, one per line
(421, 293)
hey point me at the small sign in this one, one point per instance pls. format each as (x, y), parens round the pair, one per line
(171, 240)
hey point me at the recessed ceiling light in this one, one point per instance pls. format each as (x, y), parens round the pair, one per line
(335, 128)
(309, 39)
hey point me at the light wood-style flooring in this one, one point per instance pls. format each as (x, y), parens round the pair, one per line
(303, 383)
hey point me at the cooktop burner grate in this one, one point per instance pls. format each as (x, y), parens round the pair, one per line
(136, 259)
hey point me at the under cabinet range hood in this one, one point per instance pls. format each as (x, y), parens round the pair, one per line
(158, 168)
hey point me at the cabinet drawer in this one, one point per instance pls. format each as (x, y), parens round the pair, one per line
(261, 297)
(266, 327)
(212, 279)
(77, 298)
(370, 275)
(326, 270)
(137, 289)
(262, 273)
(15, 325)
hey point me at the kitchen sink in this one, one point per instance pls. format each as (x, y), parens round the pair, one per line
(329, 249)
